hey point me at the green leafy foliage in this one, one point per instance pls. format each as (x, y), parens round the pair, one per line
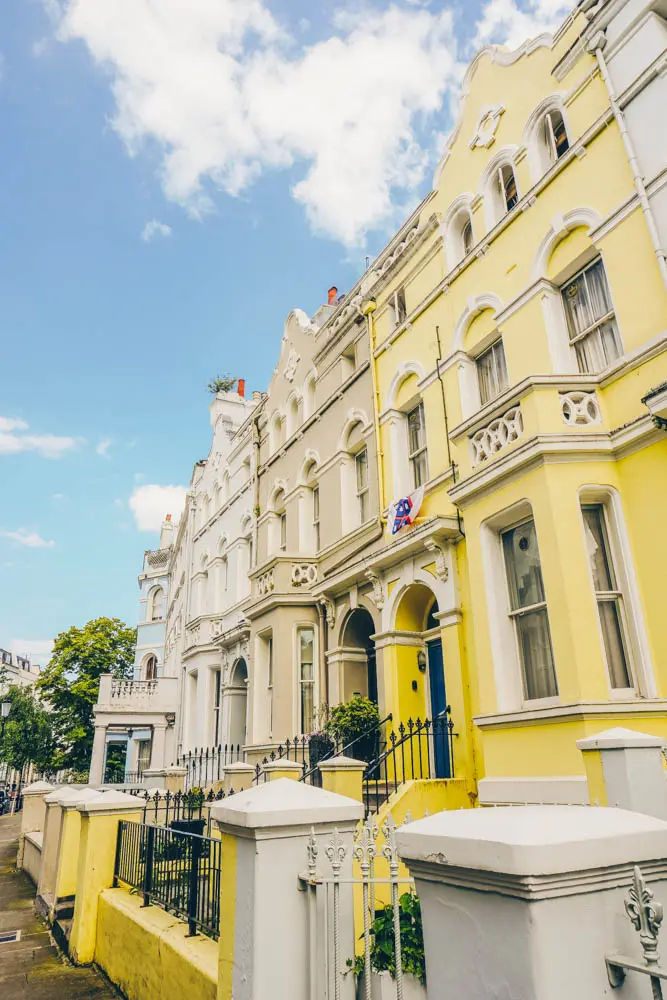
(70, 684)
(354, 725)
(26, 734)
(222, 383)
(383, 951)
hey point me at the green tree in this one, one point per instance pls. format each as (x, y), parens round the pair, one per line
(71, 682)
(26, 736)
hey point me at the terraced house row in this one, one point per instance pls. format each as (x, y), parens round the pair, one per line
(506, 356)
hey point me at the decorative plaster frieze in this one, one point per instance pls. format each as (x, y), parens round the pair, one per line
(487, 126)
(290, 368)
(329, 611)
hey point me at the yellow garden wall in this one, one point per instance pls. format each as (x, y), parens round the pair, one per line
(147, 953)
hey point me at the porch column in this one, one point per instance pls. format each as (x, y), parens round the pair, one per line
(157, 749)
(266, 833)
(96, 774)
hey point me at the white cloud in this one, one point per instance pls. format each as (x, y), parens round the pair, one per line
(153, 229)
(102, 448)
(225, 93)
(38, 651)
(31, 539)
(47, 445)
(12, 424)
(150, 503)
(58, 496)
(505, 22)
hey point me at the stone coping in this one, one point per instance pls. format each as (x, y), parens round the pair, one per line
(342, 764)
(534, 840)
(36, 838)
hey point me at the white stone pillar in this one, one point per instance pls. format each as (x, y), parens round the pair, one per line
(526, 902)
(271, 932)
(34, 813)
(624, 768)
(157, 748)
(96, 774)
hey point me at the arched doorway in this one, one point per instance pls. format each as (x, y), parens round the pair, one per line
(417, 613)
(361, 671)
(237, 693)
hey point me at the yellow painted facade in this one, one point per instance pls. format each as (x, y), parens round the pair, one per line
(574, 207)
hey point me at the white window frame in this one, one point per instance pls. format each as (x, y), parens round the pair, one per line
(217, 706)
(504, 197)
(315, 496)
(595, 327)
(282, 526)
(639, 650)
(550, 135)
(516, 614)
(420, 453)
(507, 667)
(492, 349)
(362, 489)
(306, 627)
(398, 309)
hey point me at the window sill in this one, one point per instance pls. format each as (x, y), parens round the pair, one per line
(572, 711)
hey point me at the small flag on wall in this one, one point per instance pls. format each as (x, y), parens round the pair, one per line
(404, 511)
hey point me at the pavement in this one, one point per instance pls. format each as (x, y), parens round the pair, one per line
(33, 968)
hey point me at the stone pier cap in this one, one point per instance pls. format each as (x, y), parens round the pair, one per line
(534, 840)
(284, 802)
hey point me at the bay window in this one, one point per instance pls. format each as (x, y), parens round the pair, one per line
(528, 611)
(608, 596)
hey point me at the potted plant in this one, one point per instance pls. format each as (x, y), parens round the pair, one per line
(383, 957)
(354, 726)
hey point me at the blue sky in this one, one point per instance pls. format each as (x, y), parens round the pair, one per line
(175, 176)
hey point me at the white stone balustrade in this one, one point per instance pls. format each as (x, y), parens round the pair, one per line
(304, 574)
(579, 408)
(116, 695)
(500, 432)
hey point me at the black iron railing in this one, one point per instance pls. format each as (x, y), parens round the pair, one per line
(178, 871)
(421, 749)
(120, 777)
(206, 764)
(185, 811)
(296, 749)
(366, 746)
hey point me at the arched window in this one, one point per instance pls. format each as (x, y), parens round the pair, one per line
(554, 135)
(281, 515)
(309, 396)
(294, 415)
(467, 237)
(150, 668)
(509, 193)
(157, 605)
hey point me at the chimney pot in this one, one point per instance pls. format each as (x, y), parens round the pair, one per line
(241, 388)
(333, 295)
(256, 396)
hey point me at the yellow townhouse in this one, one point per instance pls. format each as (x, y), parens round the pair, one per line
(519, 337)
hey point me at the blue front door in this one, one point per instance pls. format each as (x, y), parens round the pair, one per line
(440, 732)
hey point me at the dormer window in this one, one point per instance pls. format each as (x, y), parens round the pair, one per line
(555, 135)
(397, 308)
(492, 372)
(508, 189)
